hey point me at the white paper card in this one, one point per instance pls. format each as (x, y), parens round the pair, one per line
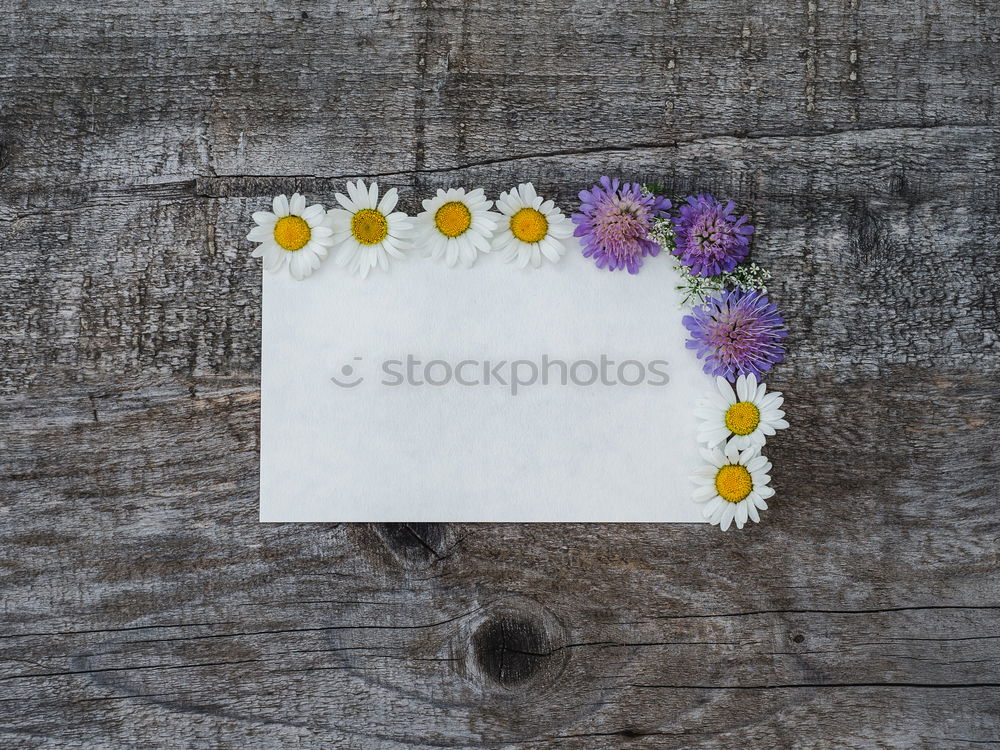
(483, 442)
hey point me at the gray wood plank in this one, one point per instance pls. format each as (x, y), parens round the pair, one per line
(143, 606)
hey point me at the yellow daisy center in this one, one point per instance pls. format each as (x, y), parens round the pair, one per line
(529, 225)
(453, 219)
(292, 232)
(733, 483)
(742, 418)
(369, 226)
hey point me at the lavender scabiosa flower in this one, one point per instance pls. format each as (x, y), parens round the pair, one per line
(710, 237)
(737, 333)
(614, 221)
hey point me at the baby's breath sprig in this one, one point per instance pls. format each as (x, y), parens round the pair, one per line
(697, 288)
(746, 276)
(662, 233)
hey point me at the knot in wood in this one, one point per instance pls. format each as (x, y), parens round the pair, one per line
(415, 544)
(512, 648)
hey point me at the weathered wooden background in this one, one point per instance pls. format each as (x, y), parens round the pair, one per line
(143, 606)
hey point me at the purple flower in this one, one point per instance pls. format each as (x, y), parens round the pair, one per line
(710, 238)
(614, 221)
(737, 333)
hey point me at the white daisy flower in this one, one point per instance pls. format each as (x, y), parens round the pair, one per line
(749, 413)
(366, 231)
(733, 486)
(456, 226)
(292, 233)
(530, 228)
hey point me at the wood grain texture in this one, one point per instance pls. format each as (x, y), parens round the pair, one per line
(143, 606)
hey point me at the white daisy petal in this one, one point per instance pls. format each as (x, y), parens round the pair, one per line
(314, 215)
(467, 253)
(704, 475)
(477, 242)
(703, 493)
(741, 388)
(437, 247)
(265, 218)
(349, 205)
(732, 452)
(741, 514)
(770, 401)
(315, 249)
(717, 401)
(393, 251)
(261, 234)
(552, 249)
(273, 256)
(298, 265)
(725, 390)
(339, 218)
(280, 205)
(728, 513)
(317, 255)
(388, 202)
(357, 195)
(716, 438)
(739, 442)
(713, 506)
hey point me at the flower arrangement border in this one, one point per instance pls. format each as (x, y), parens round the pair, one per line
(733, 326)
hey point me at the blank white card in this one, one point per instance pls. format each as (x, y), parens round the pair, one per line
(428, 393)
